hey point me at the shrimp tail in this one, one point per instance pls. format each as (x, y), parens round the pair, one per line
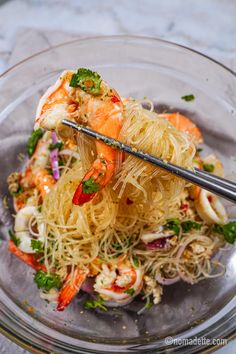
(71, 288)
(25, 257)
(94, 180)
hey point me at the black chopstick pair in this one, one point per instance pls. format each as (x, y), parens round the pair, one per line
(217, 185)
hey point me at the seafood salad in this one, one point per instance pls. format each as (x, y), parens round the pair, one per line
(89, 218)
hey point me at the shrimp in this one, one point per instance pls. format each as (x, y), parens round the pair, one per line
(54, 105)
(36, 174)
(71, 287)
(91, 102)
(184, 124)
(25, 257)
(22, 228)
(44, 182)
(119, 284)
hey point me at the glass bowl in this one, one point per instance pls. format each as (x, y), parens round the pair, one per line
(137, 67)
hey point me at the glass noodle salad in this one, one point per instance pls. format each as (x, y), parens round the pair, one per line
(90, 218)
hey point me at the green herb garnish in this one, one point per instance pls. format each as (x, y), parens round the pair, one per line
(188, 98)
(90, 186)
(47, 281)
(130, 291)
(148, 304)
(96, 303)
(199, 150)
(228, 231)
(19, 191)
(61, 162)
(89, 81)
(118, 246)
(208, 167)
(189, 225)
(174, 225)
(14, 238)
(59, 145)
(37, 246)
(33, 140)
(135, 262)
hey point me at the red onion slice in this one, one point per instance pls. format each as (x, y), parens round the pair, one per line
(87, 286)
(70, 153)
(159, 243)
(54, 138)
(54, 158)
(167, 281)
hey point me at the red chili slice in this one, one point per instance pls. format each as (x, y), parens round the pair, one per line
(210, 198)
(115, 99)
(184, 206)
(129, 201)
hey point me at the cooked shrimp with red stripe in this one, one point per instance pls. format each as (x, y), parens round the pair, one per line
(91, 219)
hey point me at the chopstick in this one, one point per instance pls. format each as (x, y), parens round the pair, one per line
(217, 185)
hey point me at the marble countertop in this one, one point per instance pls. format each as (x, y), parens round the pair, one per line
(28, 26)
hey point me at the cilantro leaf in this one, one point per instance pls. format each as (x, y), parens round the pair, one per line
(127, 243)
(14, 238)
(218, 229)
(33, 140)
(96, 303)
(37, 246)
(189, 225)
(135, 262)
(47, 281)
(19, 191)
(228, 231)
(174, 225)
(89, 81)
(188, 98)
(130, 291)
(208, 167)
(90, 186)
(59, 145)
